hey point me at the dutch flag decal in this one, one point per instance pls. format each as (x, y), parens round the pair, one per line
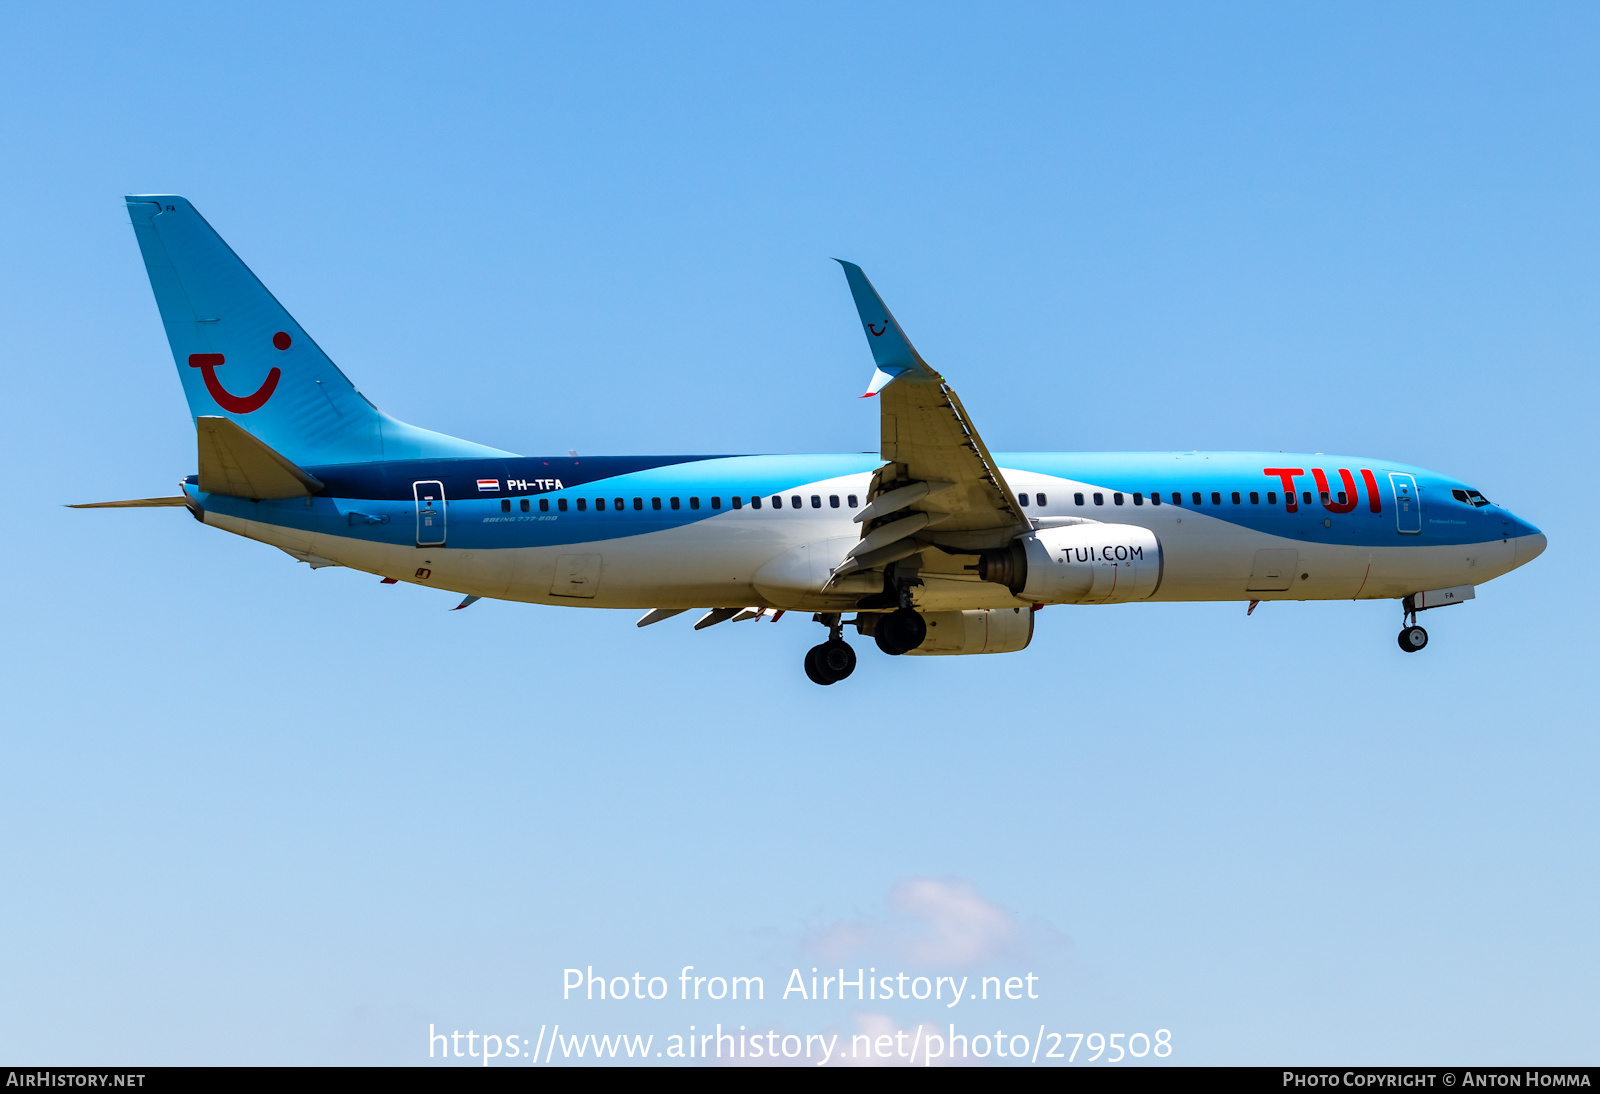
(488, 485)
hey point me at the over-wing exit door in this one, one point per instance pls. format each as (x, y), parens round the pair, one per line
(1407, 505)
(430, 512)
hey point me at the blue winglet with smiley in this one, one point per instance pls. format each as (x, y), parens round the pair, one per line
(892, 351)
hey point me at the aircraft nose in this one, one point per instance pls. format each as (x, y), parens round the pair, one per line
(1530, 547)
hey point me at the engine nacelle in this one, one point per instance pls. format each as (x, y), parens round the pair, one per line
(1079, 564)
(985, 630)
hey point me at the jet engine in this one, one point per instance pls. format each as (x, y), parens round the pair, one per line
(985, 630)
(1078, 564)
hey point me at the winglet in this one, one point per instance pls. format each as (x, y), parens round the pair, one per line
(892, 351)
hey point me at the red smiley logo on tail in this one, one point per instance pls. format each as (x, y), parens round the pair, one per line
(208, 363)
(876, 333)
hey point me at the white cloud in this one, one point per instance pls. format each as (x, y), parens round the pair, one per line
(960, 927)
(936, 921)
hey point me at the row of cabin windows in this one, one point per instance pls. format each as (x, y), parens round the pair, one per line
(621, 504)
(796, 502)
(1197, 497)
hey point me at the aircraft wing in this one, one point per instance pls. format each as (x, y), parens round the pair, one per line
(938, 484)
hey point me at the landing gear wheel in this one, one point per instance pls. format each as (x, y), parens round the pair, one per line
(816, 671)
(830, 662)
(1413, 639)
(901, 632)
(837, 658)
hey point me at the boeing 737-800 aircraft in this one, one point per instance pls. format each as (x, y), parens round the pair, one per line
(934, 546)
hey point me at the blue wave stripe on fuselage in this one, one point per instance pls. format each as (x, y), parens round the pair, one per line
(384, 490)
(475, 520)
(392, 481)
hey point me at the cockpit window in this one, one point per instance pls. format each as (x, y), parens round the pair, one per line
(1471, 497)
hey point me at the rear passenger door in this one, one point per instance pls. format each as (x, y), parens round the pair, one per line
(429, 494)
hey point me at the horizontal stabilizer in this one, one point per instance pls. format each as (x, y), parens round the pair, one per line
(235, 463)
(136, 503)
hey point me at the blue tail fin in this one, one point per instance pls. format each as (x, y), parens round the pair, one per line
(242, 356)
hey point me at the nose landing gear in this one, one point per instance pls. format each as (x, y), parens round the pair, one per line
(1412, 637)
(833, 660)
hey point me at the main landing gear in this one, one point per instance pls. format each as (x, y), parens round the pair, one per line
(1412, 637)
(834, 659)
(900, 631)
(896, 633)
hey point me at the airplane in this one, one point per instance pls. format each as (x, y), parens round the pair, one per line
(933, 546)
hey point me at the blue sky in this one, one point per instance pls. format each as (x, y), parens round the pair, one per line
(258, 814)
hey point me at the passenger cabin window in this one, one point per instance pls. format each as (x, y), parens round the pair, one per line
(599, 505)
(777, 501)
(1138, 498)
(1155, 498)
(738, 502)
(851, 501)
(816, 501)
(544, 505)
(755, 502)
(1255, 498)
(561, 504)
(1341, 498)
(583, 504)
(694, 503)
(1272, 497)
(1117, 498)
(505, 505)
(1306, 496)
(1039, 499)
(1197, 497)
(1099, 499)
(675, 503)
(1077, 499)
(1236, 497)
(524, 504)
(833, 501)
(716, 503)
(1216, 497)
(655, 503)
(1022, 499)
(794, 501)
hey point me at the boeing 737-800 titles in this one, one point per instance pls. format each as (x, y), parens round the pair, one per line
(934, 546)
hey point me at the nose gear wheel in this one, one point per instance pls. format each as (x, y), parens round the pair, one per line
(1413, 639)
